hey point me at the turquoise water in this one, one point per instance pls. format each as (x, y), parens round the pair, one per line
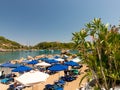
(7, 56)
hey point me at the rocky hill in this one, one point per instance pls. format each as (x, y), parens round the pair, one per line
(8, 44)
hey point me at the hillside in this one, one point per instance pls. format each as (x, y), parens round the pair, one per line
(54, 45)
(8, 44)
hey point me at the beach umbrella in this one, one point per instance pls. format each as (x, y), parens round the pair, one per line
(43, 64)
(25, 61)
(22, 69)
(14, 65)
(33, 62)
(58, 67)
(76, 59)
(56, 57)
(51, 61)
(65, 57)
(9, 65)
(71, 63)
(59, 59)
(5, 64)
(32, 77)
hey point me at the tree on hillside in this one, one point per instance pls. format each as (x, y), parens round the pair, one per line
(101, 54)
(54, 45)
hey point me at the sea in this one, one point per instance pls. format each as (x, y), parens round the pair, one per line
(8, 56)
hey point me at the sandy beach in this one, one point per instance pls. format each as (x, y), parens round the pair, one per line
(74, 85)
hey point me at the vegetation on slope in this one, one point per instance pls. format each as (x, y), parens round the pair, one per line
(54, 45)
(8, 44)
(101, 54)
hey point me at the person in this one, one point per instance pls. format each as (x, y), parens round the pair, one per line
(17, 88)
(2, 72)
(15, 84)
(14, 75)
(2, 75)
(65, 72)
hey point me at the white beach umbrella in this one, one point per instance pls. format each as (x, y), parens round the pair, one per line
(76, 60)
(59, 59)
(32, 77)
(43, 64)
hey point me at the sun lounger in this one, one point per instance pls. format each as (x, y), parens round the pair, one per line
(49, 87)
(53, 87)
(7, 80)
(56, 87)
(8, 75)
(68, 78)
(18, 87)
(60, 83)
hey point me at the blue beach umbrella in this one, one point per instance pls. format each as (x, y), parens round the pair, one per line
(58, 67)
(14, 65)
(56, 57)
(9, 65)
(5, 64)
(22, 69)
(71, 63)
(51, 61)
(33, 62)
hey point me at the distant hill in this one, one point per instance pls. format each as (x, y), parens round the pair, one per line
(54, 45)
(8, 44)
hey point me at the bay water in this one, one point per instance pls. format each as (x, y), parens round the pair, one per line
(7, 56)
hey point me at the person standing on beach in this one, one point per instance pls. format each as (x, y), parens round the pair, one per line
(2, 75)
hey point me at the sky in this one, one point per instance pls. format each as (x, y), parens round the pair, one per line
(30, 22)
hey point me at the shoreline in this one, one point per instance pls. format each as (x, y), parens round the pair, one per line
(17, 54)
(2, 49)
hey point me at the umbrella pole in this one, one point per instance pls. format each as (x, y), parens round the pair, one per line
(59, 74)
(32, 87)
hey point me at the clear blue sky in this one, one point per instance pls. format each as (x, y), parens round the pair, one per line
(34, 21)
